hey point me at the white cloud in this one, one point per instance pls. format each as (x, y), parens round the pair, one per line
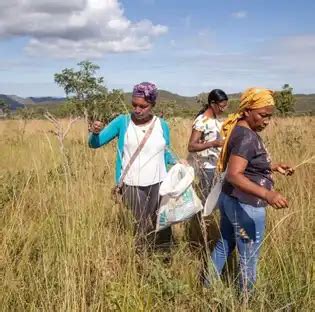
(273, 63)
(239, 14)
(292, 54)
(75, 28)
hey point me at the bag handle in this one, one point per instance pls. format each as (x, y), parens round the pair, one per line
(136, 153)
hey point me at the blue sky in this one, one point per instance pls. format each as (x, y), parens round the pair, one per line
(185, 47)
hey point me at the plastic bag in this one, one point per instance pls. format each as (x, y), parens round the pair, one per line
(179, 201)
(212, 199)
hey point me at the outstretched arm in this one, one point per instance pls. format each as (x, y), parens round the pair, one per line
(100, 137)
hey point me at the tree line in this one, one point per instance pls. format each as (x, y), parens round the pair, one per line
(89, 98)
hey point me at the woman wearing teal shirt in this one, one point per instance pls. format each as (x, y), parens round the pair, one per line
(142, 182)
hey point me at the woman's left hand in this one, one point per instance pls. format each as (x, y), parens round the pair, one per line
(283, 169)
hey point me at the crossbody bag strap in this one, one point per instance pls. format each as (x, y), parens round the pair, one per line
(137, 151)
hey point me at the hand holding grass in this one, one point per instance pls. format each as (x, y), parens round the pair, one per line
(96, 126)
(287, 170)
(283, 169)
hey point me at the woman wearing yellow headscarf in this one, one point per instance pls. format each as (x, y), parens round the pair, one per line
(247, 188)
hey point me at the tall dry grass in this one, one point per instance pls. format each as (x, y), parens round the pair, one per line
(65, 246)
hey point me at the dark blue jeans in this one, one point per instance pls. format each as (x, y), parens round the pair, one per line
(242, 226)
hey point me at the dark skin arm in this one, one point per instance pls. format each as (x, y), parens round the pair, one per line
(235, 176)
(195, 144)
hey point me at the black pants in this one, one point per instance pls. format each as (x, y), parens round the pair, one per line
(205, 182)
(144, 201)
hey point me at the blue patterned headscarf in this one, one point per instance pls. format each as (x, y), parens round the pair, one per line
(146, 90)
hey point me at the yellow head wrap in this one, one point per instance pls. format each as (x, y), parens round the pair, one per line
(252, 98)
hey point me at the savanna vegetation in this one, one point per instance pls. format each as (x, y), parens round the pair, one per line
(66, 246)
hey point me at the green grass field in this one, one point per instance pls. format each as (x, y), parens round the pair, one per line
(65, 246)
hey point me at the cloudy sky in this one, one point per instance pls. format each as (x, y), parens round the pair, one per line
(184, 46)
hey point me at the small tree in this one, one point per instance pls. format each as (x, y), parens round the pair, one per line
(25, 114)
(4, 109)
(285, 100)
(166, 108)
(233, 106)
(87, 94)
(202, 100)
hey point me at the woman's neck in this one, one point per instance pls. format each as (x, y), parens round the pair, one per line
(209, 113)
(141, 122)
(244, 123)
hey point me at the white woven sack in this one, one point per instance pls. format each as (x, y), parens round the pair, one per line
(179, 201)
(212, 199)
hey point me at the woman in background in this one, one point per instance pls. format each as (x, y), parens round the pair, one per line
(205, 140)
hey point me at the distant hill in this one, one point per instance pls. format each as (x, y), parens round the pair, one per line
(44, 100)
(304, 102)
(166, 96)
(12, 101)
(18, 102)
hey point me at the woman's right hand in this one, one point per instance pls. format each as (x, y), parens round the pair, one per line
(96, 127)
(276, 200)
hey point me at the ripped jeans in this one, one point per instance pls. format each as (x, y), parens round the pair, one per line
(243, 226)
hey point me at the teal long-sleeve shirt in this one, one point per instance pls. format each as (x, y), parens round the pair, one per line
(117, 128)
